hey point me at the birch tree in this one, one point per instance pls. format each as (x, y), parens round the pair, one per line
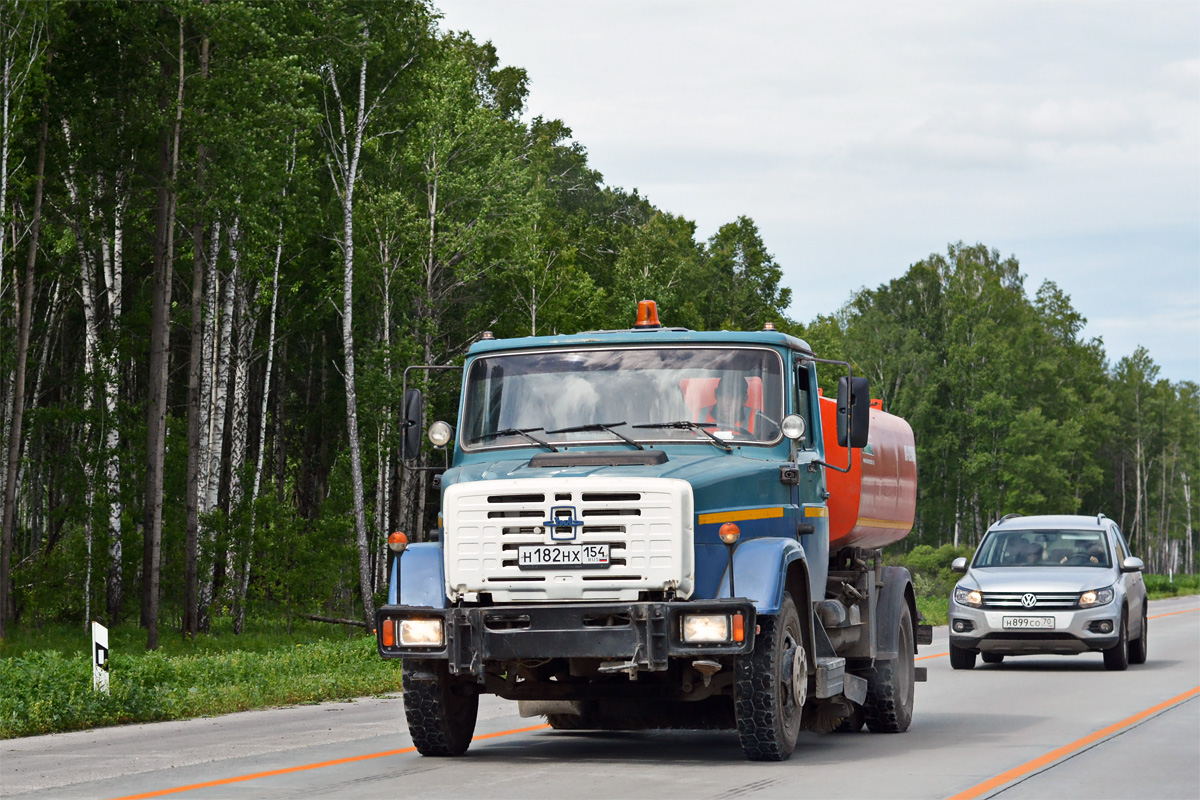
(160, 342)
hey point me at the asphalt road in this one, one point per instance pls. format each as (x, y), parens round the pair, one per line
(1053, 727)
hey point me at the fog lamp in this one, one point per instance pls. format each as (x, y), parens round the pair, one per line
(698, 628)
(421, 633)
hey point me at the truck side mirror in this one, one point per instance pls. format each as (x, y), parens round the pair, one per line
(853, 411)
(410, 425)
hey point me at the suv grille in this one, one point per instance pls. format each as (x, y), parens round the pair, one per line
(1045, 600)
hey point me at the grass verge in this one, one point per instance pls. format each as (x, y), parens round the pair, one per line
(50, 690)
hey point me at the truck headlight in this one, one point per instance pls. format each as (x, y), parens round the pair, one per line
(705, 628)
(968, 597)
(1096, 597)
(421, 633)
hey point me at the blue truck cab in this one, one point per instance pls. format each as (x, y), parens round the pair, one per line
(635, 533)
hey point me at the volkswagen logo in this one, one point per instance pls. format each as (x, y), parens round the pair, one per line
(1029, 599)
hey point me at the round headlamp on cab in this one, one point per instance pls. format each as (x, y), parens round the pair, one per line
(440, 433)
(792, 426)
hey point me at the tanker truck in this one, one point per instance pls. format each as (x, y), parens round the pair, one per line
(659, 528)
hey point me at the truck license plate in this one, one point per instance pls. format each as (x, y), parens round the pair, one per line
(562, 555)
(1044, 623)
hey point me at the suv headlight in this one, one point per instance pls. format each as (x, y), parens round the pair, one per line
(1096, 597)
(968, 597)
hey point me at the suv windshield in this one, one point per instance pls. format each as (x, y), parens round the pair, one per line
(1043, 548)
(735, 393)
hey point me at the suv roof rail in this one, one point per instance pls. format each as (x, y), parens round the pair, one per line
(1006, 516)
(1100, 518)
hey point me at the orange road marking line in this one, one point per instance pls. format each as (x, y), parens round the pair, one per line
(304, 767)
(935, 655)
(1173, 613)
(1079, 744)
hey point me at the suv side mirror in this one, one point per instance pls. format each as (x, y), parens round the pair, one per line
(853, 411)
(410, 425)
(958, 565)
(1131, 564)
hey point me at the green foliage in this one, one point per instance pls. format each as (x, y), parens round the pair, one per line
(1160, 586)
(50, 690)
(466, 217)
(930, 568)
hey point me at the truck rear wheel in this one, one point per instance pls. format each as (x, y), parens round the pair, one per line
(772, 686)
(890, 688)
(441, 712)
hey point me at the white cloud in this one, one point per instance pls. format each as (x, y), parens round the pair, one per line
(862, 136)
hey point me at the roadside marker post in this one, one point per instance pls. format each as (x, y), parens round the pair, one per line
(99, 658)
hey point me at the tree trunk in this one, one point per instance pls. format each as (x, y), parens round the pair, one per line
(216, 425)
(346, 149)
(243, 588)
(191, 620)
(24, 320)
(160, 343)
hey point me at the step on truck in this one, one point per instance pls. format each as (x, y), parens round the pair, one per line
(659, 528)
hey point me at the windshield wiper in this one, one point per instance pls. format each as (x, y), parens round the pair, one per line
(600, 426)
(526, 432)
(687, 424)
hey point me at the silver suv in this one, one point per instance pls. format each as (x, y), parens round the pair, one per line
(1050, 584)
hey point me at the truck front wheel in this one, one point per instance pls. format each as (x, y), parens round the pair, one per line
(772, 686)
(890, 688)
(441, 712)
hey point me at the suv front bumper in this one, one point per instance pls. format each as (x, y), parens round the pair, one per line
(640, 635)
(1073, 630)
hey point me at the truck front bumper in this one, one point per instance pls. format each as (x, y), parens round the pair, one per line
(642, 635)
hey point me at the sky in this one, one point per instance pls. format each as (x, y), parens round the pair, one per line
(863, 136)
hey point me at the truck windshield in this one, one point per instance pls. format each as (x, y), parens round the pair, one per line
(1043, 548)
(734, 393)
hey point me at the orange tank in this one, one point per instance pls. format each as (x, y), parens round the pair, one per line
(873, 504)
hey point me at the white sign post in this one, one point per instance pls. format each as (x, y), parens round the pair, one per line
(99, 657)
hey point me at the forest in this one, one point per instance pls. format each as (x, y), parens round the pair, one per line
(228, 226)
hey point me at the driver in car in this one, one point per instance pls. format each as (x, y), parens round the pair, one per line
(729, 410)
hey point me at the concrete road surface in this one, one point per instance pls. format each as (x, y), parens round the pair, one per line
(1033, 727)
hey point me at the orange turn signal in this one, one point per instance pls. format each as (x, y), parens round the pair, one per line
(388, 634)
(397, 542)
(739, 628)
(729, 533)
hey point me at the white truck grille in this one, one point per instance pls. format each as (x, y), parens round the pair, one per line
(646, 522)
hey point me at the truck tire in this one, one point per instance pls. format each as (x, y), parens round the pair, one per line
(891, 685)
(771, 686)
(1137, 647)
(852, 723)
(1116, 658)
(441, 712)
(961, 658)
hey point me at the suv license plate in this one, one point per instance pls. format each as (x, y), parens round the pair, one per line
(562, 555)
(1044, 623)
